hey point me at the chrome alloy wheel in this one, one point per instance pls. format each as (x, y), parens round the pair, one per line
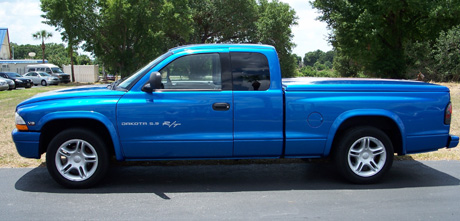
(76, 160)
(366, 156)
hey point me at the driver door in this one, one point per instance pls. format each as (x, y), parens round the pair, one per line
(191, 117)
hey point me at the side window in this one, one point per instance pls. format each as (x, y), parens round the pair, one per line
(40, 69)
(195, 72)
(250, 71)
(48, 70)
(31, 69)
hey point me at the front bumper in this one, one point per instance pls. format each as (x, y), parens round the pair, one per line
(64, 78)
(11, 85)
(4, 87)
(27, 83)
(453, 141)
(27, 143)
(54, 81)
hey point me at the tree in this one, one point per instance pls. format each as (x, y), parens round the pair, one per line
(246, 21)
(43, 34)
(126, 34)
(221, 21)
(274, 28)
(374, 34)
(446, 54)
(298, 61)
(312, 57)
(22, 51)
(72, 18)
(55, 53)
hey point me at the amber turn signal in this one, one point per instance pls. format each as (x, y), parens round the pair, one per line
(22, 127)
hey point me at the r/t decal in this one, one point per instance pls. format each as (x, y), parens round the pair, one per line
(173, 124)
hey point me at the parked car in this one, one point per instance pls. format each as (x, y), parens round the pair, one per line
(42, 78)
(110, 77)
(19, 80)
(10, 83)
(3, 85)
(50, 69)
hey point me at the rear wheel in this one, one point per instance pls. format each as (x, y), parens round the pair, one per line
(77, 158)
(363, 154)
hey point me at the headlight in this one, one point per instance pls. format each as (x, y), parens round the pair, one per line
(17, 80)
(20, 123)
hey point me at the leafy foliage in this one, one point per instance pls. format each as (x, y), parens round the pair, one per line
(313, 57)
(126, 34)
(447, 54)
(375, 34)
(437, 60)
(221, 21)
(273, 28)
(55, 54)
(318, 64)
(42, 35)
(71, 17)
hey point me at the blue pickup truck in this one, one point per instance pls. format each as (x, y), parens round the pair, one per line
(230, 102)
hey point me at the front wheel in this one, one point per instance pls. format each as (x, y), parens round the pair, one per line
(44, 83)
(77, 158)
(363, 154)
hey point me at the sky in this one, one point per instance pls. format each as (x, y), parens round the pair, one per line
(23, 18)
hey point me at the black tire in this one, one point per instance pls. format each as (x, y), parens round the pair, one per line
(43, 83)
(363, 154)
(77, 158)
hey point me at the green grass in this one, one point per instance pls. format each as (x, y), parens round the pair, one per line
(10, 99)
(8, 102)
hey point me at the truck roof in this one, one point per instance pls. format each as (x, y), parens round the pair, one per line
(214, 46)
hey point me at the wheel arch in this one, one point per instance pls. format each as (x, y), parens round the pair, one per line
(53, 123)
(388, 122)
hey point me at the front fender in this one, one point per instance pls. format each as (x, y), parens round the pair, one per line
(63, 115)
(363, 113)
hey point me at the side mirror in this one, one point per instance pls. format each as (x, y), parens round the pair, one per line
(153, 83)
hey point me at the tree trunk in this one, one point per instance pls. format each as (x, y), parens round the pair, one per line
(43, 51)
(71, 61)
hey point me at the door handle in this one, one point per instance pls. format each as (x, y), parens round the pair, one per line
(221, 106)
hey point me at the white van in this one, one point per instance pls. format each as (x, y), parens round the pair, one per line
(50, 69)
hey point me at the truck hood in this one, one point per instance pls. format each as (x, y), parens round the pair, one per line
(75, 92)
(359, 85)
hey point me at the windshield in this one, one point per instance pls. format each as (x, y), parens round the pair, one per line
(44, 74)
(126, 83)
(11, 74)
(57, 70)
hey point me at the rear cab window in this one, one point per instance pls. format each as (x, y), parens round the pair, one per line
(250, 71)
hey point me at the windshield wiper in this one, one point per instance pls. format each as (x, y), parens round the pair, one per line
(113, 85)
